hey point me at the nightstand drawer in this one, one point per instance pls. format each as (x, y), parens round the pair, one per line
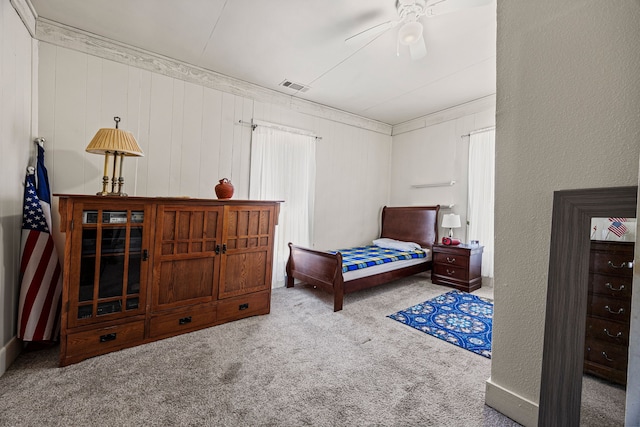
(451, 271)
(618, 264)
(610, 355)
(451, 260)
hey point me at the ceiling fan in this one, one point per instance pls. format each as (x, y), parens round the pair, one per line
(411, 32)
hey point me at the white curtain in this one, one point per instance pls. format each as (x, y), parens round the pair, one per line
(481, 194)
(283, 168)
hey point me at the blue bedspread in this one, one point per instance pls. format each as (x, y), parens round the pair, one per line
(367, 256)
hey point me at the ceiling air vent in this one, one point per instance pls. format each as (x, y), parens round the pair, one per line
(294, 86)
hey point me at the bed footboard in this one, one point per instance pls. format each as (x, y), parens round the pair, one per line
(317, 268)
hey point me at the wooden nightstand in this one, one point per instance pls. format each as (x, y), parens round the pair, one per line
(457, 266)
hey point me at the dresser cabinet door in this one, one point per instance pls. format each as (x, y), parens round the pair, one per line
(248, 250)
(186, 255)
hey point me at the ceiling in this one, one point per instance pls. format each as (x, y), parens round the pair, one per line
(303, 41)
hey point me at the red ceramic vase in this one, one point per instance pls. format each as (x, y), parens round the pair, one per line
(224, 190)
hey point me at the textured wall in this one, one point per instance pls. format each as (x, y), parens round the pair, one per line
(15, 148)
(567, 116)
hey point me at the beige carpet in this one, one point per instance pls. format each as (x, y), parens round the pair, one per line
(301, 365)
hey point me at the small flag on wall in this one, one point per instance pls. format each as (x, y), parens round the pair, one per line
(617, 227)
(40, 273)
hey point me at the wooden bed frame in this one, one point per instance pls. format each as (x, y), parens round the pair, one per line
(322, 269)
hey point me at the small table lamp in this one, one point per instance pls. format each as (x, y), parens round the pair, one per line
(120, 143)
(451, 221)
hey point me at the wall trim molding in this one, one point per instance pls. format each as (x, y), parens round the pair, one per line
(510, 404)
(27, 13)
(72, 38)
(9, 353)
(446, 115)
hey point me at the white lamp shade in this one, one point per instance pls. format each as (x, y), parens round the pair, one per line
(451, 221)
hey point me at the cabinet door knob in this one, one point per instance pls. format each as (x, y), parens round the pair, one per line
(217, 249)
(145, 255)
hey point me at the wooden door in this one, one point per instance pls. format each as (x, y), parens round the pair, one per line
(186, 262)
(247, 253)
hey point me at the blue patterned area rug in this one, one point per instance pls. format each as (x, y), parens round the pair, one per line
(457, 317)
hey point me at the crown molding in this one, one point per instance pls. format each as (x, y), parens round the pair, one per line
(471, 107)
(72, 38)
(27, 13)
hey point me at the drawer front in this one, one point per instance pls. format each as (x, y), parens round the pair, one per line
(609, 308)
(609, 285)
(244, 306)
(619, 264)
(180, 321)
(608, 331)
(450, 271)
(104, 340)
(451, 260)
(609, 355)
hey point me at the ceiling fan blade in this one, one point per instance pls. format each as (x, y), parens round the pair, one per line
(418, 49)
(371, 32)
(441, 7)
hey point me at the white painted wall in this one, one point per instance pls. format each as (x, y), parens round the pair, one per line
(17, 53)
(435, 149)
(191, 138)
(567, 117)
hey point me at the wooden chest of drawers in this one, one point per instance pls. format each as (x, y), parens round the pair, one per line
(457, 266)
(608, 310)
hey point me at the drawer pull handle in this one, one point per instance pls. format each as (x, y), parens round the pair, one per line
(624, 264)
(606, 357)
(451, 272)
(243, 306)
(620, 310)
(184, 320)
(451, 260)
(108, 337)
(608, 285)
(618, 335)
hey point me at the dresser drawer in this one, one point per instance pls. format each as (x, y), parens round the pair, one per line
(244, 306)
(451, 259)
(103, 340)
(609, 308)
(608, 331)
(450, 271)
(183, 320)
(610, 285)
(616, 263)
(606, 354)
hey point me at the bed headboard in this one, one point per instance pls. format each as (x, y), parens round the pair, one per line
(417, 224)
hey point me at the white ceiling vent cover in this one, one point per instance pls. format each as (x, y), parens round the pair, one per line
(294, 86)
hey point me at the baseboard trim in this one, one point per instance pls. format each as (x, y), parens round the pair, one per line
(9, 353)
(510, 404)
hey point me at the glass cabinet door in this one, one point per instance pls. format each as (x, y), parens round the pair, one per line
(111, 268)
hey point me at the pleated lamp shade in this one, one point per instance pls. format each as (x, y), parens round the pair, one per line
(110, 140)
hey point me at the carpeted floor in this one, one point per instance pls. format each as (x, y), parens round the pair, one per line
(301, 365)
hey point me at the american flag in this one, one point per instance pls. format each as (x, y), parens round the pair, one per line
(617, 227)
(41, 278)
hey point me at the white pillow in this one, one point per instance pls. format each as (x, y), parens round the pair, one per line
(398, 245)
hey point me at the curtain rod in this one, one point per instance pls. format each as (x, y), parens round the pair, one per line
(255, 123)
(473, 132)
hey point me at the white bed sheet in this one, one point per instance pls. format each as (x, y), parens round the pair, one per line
(383, 268)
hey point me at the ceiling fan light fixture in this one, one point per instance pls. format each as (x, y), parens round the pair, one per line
(410, 33)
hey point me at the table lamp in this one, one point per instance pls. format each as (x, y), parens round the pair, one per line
(451, 221)
(120, 143)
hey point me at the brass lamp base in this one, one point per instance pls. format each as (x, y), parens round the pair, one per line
(117, 182)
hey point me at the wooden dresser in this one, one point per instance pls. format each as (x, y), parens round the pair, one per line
(140, 269)
(457, 266)
(608, 310)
